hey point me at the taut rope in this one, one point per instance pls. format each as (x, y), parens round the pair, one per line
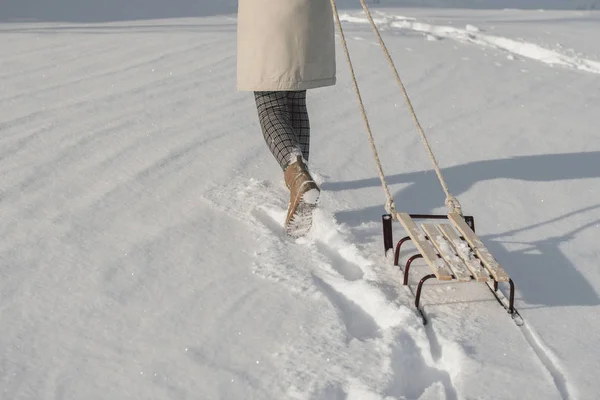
(451, 202)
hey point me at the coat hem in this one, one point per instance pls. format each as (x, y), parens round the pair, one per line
(286, 85)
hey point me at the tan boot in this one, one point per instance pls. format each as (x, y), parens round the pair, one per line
(304, 196)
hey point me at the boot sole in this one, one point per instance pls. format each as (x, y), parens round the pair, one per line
(301, 221)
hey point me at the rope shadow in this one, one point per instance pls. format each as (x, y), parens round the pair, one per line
(543, 273)
(424, 194)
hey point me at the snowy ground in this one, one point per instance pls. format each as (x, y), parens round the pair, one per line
(143, 254)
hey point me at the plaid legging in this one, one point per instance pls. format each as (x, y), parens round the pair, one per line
(284, 121)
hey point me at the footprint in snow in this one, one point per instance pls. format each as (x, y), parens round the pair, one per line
(359, 324)
(412, 377)
(349, 270)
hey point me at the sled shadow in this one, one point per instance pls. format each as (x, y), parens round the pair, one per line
(540, 266)
(542, 272)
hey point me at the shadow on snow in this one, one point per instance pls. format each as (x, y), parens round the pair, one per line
(542, 272)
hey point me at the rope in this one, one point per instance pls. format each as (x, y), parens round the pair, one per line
(389, 205)
(451, 202)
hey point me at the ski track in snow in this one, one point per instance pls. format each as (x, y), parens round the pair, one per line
(472, 34)
(550, 362)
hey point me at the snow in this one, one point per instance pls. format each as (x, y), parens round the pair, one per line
(472, 35)
(446, 251)
(143, 253)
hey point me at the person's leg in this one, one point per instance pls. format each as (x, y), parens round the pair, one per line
(300, 120)
(276, 124)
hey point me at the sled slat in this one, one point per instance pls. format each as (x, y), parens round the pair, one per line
(465, 253)
(438, 265)
(480, 250)
(445, 249)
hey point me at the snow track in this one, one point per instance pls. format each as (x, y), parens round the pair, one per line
(551, 363)
(474, 35)
(421, 361)
(373, 321)
(143, 253)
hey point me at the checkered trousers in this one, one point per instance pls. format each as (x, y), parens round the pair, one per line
(284, 121)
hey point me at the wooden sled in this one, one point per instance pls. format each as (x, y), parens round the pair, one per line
(453, 252)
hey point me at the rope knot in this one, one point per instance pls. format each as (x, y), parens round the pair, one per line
(453, 205)
(390, 207)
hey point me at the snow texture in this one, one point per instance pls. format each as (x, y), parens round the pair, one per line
(143, 253)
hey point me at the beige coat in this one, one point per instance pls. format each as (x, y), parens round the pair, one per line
(285, 45)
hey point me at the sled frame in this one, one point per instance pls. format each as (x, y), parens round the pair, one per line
(458, 234)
